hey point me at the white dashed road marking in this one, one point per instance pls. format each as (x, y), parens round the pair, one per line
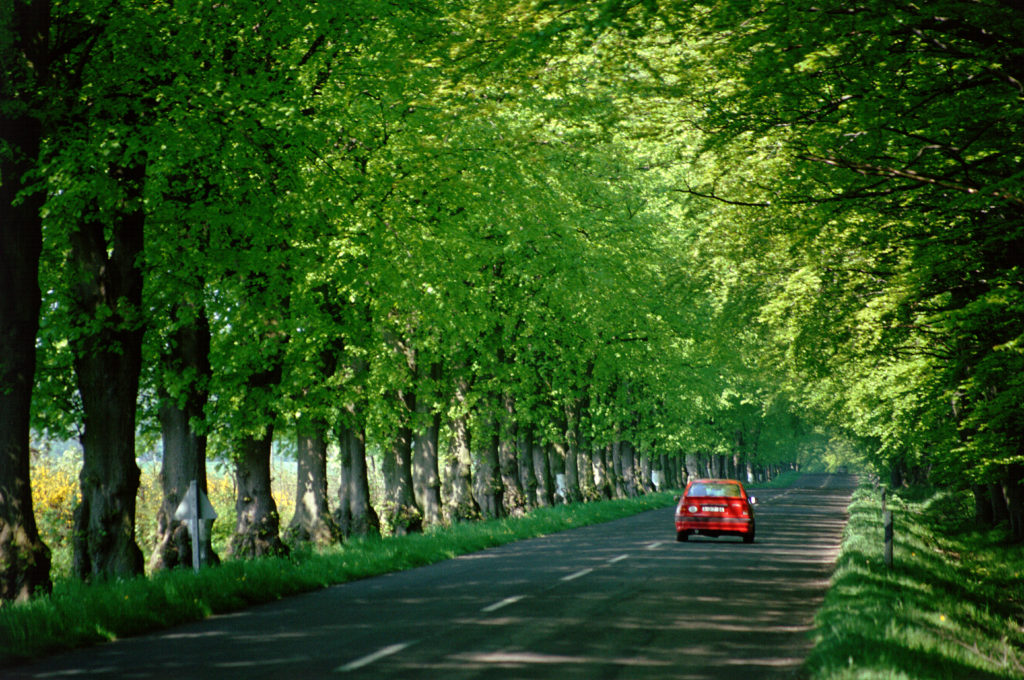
(376, 656)
(581, 572)
(503, 603)
(618, 559)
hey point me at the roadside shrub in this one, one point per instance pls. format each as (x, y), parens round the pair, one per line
(55, 494)
(54, 497)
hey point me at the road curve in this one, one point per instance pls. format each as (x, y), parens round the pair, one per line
(617, 600)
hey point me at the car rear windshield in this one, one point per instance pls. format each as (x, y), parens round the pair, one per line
(724, 490)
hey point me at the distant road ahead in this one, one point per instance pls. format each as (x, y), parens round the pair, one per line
(617, 600)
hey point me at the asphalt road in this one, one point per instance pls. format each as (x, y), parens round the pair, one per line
(617, 600)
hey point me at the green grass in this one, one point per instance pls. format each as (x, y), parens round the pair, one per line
(951, 607)
(78, 614)
(783, 480)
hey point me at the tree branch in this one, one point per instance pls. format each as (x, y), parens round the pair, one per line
(868, 169)
(746, 204)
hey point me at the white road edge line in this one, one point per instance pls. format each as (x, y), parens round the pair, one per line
(504, 603)
(581, 572)
(618, 559)
(370, 658)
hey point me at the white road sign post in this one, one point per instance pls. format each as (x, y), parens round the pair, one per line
(193, 509)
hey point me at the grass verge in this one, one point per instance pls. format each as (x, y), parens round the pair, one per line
(77, 614)
(952, 607)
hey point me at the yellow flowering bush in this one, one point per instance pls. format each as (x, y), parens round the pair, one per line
(55, 494)
(54, 497)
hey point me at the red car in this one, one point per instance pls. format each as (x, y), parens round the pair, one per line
(713, 507)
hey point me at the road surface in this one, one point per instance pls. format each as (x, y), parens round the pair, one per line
(617, 600)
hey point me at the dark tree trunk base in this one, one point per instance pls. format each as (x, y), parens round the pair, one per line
(312, 521)
(261, 539)
(104, 543)
(26, 566)
(404, 519)
(258, 526)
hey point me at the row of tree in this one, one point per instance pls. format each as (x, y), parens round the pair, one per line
(453, 235)
(876, 170)
(865, 244)
(423, 232)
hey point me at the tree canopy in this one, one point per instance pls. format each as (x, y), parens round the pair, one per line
(758, 232)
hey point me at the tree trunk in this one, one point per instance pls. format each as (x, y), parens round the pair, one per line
(312, 520)
(542, 473)
(184, 458)
(628, 457)
(24, 558)
(1014, 501)
(896, 470)
(558, 455)
(257, 527)
(638, 475)
(508, 458)
(616, 469)
(585, 466)
(669, 476)
(982, 505)
(513, 498)
(1000, 510)
(355, 484)
(426, 478)
(571, 456)
(603, 477)
(734, 461)
(401, 512)
(343, 498)
(107, 293)
(355, 515)
(527, 474)
(488, 485)
(184, 449)
(645, 483)
(461, 505)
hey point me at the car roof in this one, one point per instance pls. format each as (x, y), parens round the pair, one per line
(715, 480)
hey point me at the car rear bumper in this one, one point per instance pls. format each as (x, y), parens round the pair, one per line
(738, 525)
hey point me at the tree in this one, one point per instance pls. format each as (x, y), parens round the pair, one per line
(897, 131)
(183, 430)
(460, 505)
(24, 64)
(312, 520)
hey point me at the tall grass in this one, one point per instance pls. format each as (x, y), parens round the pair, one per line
(952, 607)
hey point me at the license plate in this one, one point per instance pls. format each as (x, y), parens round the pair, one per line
(714, 508)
